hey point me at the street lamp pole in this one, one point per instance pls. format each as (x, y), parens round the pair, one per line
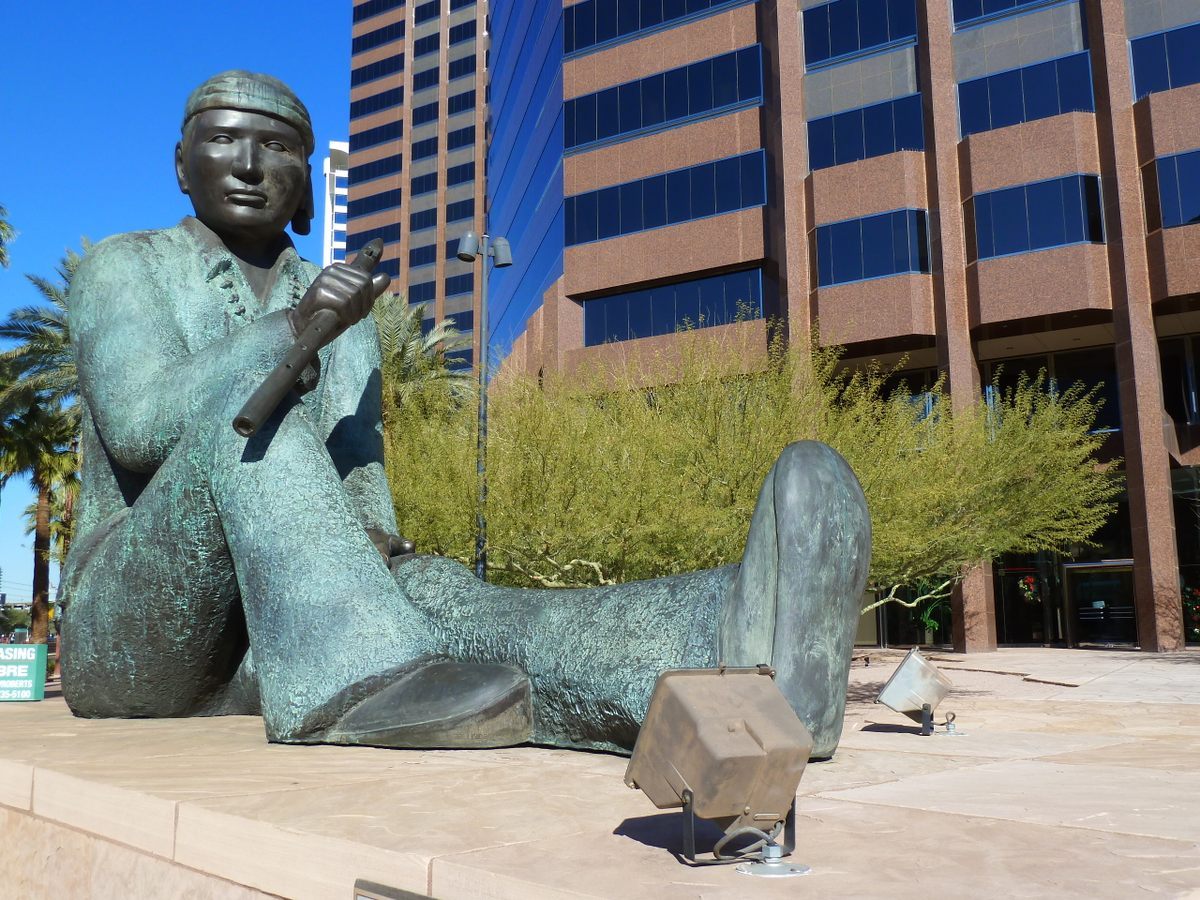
(471, 246)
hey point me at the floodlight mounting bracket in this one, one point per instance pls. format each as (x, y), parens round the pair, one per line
(771, 848)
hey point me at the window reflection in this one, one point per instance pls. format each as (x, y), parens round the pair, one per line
(874, 130)
(890, 243)
(697, 303)
(1023, 95)
(1036, 216)
(737, 182)
(688, 92)
(1166, 60)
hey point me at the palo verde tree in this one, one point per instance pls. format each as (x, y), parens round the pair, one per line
(599, 478)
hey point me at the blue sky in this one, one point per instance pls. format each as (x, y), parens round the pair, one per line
(90, 108)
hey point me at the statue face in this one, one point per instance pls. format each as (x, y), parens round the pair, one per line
(245, 172)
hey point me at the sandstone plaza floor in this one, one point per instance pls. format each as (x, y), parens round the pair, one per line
(1078, 776)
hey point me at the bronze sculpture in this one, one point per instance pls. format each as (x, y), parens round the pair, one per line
(214, 574)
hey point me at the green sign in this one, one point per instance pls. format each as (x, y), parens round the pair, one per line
(22, 671)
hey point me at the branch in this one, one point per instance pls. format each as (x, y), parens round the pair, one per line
(550, 581)
(942, 590)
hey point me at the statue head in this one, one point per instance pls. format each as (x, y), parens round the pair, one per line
(243, 156)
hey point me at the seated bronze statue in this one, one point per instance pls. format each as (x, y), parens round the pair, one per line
(213, 574)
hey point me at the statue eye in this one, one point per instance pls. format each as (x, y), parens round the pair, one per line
(220, 139)
(276, 146)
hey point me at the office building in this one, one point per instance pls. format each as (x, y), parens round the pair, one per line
(981, 185)
(336, 180)
(416, 148)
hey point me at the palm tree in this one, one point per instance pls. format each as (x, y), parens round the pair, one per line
(64, 494)
(7, 233)
(40, 414)
(43, 359)
(414, 361)
(38, 442)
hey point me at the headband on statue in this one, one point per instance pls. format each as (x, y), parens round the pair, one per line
(252, 92)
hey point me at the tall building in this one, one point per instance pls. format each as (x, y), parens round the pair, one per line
(986, 186)
(333, 236)
(416, 147)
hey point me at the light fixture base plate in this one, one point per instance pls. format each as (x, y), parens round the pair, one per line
(772, 869)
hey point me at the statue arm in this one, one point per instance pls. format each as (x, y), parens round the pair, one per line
(141, 384)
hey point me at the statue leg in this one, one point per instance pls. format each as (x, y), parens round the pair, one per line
(797, 597)
(235, 542)
(594, 654)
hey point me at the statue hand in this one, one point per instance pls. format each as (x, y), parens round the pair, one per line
(390, 545)
(345, 290)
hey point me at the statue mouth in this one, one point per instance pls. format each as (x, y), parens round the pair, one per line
(255, 199)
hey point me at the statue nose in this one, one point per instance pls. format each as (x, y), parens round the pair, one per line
(246, 163)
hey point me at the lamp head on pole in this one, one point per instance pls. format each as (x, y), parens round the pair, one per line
(501, 253)
(468, 246)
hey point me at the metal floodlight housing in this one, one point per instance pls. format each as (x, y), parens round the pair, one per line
(725, 745)
(915, 690)
(501, 253)
(468, 246)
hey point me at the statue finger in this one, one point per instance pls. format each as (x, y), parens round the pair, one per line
(379, 284)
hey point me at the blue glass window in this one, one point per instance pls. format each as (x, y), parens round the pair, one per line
(891, 243)
(460, 174)
(424, 149)
(426, 11)
(460, 102)
(594, 22)
(737, 182)
(460, 284)
(423, 184)
(463, 209)
(390, 266)
(341, 182)
(697, 303)
(1036, 216)
(460, 4)
(426, 113)
(1166, 60)
(426, 79)
(422, 292)
(389, 233)
(463, 137)
(968, 10)
(874, 130)
(426, 218)
(463, 321)
(389, 165)
(374, 7)
(379, 69)
(426, 45)
(372, 136)
(378, 37)
(460, 359)
(463, 32)
(676, 96)
(339, 218)
(374, 203)
(422, 256)
(376, 102)
(1178, 190)
(851, 26)
(460, 68)
(1022, 95)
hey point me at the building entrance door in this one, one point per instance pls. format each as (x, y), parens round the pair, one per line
(1099, 603)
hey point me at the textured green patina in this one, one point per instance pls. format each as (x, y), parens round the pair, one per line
(212, 574)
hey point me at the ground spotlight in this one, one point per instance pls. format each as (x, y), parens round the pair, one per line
(915, 690)
(725, 745)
